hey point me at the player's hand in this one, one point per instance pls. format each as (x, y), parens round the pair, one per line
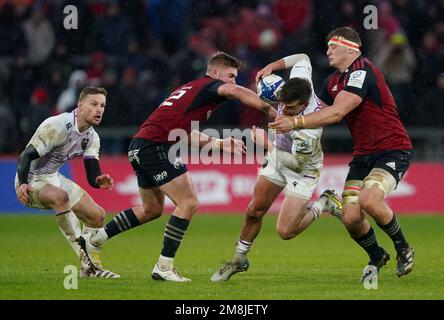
(233, 146)
(23, 191)
(282, 124)
(105, 181)
(260, 137)
(263, 73)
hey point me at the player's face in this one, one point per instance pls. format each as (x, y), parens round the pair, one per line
(336, 55)
(227, 74)
(92, 107)
(293, 108)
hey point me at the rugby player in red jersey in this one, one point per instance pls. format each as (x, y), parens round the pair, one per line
(158, 175)
(357, 91)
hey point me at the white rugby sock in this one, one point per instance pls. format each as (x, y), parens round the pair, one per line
(69, 226)
(165, 263)
(316, 208)
(242, 248)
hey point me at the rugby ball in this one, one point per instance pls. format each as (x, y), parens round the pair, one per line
(269, 87)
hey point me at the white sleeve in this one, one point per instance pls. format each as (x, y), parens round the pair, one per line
(302, 69)
(51, 133)
(94, 148)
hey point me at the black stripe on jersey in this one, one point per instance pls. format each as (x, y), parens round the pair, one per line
(208, 94)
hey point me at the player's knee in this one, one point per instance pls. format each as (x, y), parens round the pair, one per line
(100, 216)
(62, 199)
(151, 211)
(286, 233)
(367, 200)
(352, 221)
(255, 212)
(190, 205)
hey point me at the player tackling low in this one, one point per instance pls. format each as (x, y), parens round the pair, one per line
(39, 184)
(293, 163)
(357, 91)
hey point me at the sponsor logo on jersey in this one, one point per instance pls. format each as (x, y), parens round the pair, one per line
(356, 78)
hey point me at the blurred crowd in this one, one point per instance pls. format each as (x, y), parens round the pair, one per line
(140, 50)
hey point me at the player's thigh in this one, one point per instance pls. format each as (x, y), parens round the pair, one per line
(293, 209)
(265, 192)
(87, 209)
(49, 196)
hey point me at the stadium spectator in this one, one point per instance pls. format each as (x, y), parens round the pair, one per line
(430, 112)
(67, 100)
(397, 60)
(40, 37)
(37, 111)
(111, 32)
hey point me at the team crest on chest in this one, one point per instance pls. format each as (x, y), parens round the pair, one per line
(84, 143)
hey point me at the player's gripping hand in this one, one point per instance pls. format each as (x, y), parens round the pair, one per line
(260, 137)
(282, 124)
(105, 181)
(233, 145)
(23, 191)
(267, 70)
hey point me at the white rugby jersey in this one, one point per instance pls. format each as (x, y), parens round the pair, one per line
(58, 140)
(304, 144)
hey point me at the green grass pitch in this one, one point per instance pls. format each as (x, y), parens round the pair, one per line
(321, 263)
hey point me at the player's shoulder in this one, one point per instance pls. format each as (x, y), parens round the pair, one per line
(61, 122)
(362, 64)
(201, 82)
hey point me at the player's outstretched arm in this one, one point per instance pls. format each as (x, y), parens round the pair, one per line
(94, 175)
(246, 96)
(229, 144)
(24, 163)
(343, 104)
(284, 63)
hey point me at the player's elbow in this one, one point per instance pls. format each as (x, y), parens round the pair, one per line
(336, 115)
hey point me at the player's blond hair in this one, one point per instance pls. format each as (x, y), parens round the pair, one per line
(221, 58)
(91, 90)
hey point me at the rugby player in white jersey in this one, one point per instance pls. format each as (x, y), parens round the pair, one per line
(39, 184)
(293, 164)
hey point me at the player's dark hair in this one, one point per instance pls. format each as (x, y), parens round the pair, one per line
(346, 32)
(91, 90)
(295, 89)
(221, 58)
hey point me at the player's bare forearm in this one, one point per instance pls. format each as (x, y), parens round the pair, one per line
(343, 104)
(269, 68)
(244, 95)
